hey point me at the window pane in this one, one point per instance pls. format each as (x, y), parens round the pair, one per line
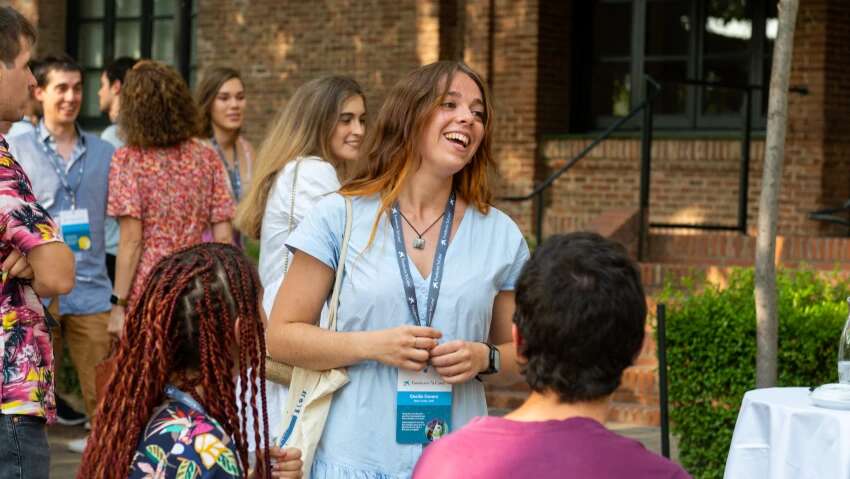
(674, 97)
(724, 100)
(163, 7)
(91, 44)
(767, 64)
(668, 28)
(91, 8)
(91, 84)
(163, 41)
(128, 39)
(771, 27)
(128, 8)
(611, 89)
(612, 29)
(728, 28)
(193, 41)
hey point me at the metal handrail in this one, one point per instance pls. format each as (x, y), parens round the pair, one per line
(653, 89)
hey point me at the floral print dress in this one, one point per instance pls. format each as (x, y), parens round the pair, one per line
(177, 192)
(26, 356)
(181, 442)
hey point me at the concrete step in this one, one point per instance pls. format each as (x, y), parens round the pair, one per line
(635, 414)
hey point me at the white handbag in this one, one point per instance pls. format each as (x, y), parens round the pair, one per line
(310, 392)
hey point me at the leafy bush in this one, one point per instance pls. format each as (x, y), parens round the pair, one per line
(711, 350)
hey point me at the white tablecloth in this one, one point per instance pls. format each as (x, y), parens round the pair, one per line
(780, 434)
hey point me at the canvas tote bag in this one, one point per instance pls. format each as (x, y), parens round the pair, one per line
(310, 392)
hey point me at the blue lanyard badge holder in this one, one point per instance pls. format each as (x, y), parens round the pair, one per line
(423, 398)
(74, 222)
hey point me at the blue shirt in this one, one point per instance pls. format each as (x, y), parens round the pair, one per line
(111, 136)
(484, 257)
(91, 158)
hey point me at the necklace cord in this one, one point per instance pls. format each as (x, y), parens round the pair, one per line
(414, 228)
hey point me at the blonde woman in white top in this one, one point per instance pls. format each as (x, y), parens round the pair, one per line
(318, 132)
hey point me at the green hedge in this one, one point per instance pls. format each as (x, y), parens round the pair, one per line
(711, 350)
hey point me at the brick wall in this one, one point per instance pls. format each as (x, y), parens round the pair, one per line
(514, 87)
(280, 45)
(697, 180)
(49, 18)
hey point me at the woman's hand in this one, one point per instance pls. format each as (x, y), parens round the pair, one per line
(286, 462)
(459, 361)
(405, 347)
(116, 322)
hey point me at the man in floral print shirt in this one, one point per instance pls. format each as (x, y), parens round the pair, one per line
(33, 262)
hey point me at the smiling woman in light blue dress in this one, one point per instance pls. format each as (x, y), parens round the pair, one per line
(421, 194)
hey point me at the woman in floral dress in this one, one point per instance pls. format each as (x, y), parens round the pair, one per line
(165, 187)
(171, 408)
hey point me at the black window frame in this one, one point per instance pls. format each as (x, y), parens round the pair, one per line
(693, 119)
(183, 19)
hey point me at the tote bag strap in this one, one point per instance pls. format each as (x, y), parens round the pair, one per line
(340, 267)
(291, 215)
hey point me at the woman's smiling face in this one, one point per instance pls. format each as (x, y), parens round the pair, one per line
(456, 128)
(349, 129)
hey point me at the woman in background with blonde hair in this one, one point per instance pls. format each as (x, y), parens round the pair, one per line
(305, 152)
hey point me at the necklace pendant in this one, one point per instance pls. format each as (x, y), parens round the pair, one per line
(418, 243)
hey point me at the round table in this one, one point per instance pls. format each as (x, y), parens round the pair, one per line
(780, 434)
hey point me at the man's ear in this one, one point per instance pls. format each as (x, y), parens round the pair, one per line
(38, 93)
(518, 344)
(115, 87)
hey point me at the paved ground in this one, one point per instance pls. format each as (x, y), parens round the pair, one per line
(63, 464)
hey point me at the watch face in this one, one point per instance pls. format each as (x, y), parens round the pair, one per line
(497, 360)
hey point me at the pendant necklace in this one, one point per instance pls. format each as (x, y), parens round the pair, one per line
(419, 243)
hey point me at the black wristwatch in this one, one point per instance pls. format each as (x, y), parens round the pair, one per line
(495, 360)
(117, 301)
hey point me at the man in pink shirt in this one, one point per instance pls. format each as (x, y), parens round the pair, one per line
(33, 263)
(579, 323)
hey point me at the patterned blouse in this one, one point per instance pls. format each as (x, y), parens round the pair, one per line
(27, 357)
(177, 193)
(183, 443)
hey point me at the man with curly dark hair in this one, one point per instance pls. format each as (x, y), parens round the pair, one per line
(579, 322)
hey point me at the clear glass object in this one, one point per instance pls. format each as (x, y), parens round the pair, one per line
(844, 352)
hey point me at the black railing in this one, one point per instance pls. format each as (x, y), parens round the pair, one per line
(746, 137)
(645, 106)
(652, 90)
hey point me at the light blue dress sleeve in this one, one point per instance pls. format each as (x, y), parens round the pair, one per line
(519, 249)
(320, 232)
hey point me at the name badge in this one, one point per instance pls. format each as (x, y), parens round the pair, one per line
(423, 407)
(76, 232)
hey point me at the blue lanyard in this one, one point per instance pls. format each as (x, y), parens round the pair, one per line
(436, 269)
(57, 162)
(232, 173)
(177, 395)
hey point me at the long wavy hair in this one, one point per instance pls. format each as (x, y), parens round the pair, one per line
(390, 151)
(206, 91)
(199, 304)
(302, 128)
(157, 109)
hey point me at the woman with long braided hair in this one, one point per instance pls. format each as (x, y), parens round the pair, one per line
(194, 334)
